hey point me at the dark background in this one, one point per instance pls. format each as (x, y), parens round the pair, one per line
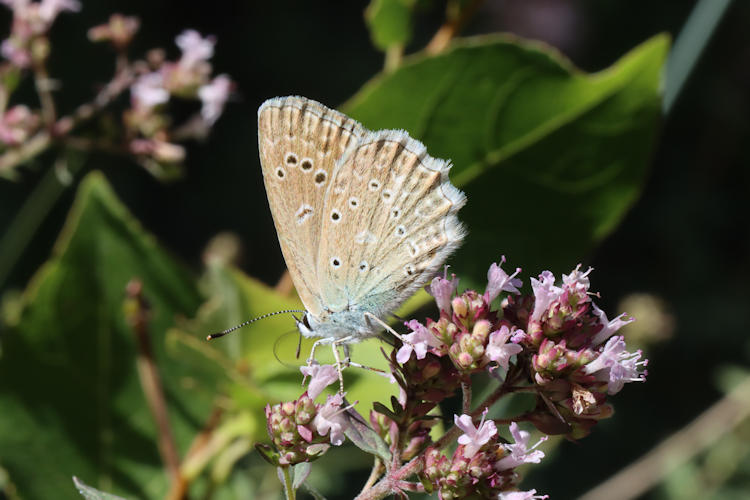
(686, 241)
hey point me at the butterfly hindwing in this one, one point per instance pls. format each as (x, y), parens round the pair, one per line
(300, 143)
(388, 223)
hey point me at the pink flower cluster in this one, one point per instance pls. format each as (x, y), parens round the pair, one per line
(188, 77)
(150, 134)
(31, 20)
(560, 340)
(17, 124)
(482, 466)
(301, 430)
(575, 357)
(468, 331)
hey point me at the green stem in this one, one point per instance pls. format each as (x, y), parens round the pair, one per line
(393, 57)
(32, 213)
(288, 484)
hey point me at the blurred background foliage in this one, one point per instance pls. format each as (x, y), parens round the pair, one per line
(561, 166)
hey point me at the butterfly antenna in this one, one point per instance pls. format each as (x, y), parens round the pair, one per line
(230, 330)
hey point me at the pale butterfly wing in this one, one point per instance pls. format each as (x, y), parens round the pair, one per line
(389, 223)
(300, 142)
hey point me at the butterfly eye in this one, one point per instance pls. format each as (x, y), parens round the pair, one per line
(409, 269)
(335, 262)
(363, 266)
(387, 194)
(353, 202)
(396, 213)
(374, 185)
(320, 176)
(335, 216)
(400, 230)
(306, 164)
(291, 159)
(280, 173)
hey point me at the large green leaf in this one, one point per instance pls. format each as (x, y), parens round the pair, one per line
(389, 22)
(551, 158)
(70, 398)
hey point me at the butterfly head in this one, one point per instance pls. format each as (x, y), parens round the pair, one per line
(305, 325)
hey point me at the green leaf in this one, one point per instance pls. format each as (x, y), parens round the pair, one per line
(301, 472)
(90, 493)
(70, 398)
(551, 158)
(364, 437)
(389, 22)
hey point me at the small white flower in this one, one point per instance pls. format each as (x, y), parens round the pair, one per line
(214, 96)
(616, 366)
(148, 91)
(521, 495)
(195, 48)
(320, 377)
(419, 341)
(499, 349)
(499, 281)
(519, 452)
(474, 438)
(545, 293)
(443, 289)
(609, 327)
(330, 419)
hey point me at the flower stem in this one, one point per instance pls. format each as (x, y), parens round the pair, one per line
(395, 478)
(44, 90)
(466, 389)
(377, 470)
(288, 484)
(148, 373)
(456, 20)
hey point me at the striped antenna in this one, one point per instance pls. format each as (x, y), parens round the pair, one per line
(230, 330)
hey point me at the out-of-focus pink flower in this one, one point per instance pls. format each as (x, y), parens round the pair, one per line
(195, 48)
(214, 96)
(34, 18)
(330, 419)
(320, 377)
(162, 151)
(499, 281)
(148, 91)
(49, 9)
(119, 30)
(17, 53)
(499, 349)
(616, 366)
(519, 452)
(474, 438)
(17, 124)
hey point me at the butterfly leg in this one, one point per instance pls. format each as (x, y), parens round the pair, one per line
(311, 358)
(387, 327)
(339, 367)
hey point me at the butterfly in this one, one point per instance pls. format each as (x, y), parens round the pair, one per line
(364, 219)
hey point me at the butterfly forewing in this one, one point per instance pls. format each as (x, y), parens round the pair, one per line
(300, 143)
(389, 222)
